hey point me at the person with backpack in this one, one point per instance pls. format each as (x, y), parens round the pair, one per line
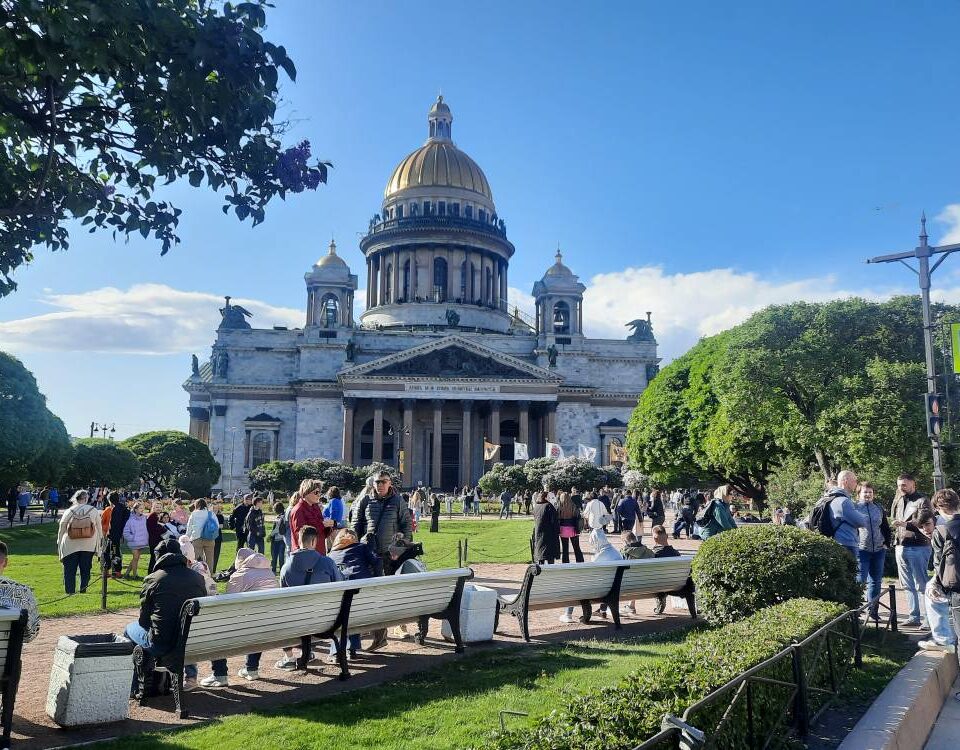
(946, 553)
(79, 536)
(836, 516)
(202, 530)
(238, 519)
(715, 516)
(278, 538)
(256, 526)
(912, 549)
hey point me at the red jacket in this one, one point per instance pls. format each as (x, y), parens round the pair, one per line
(304, 514)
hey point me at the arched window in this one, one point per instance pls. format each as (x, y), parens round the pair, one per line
(329, 311)
(261, 446)
(366, 442)
(561, 318)
(388, 284)
(439, 280)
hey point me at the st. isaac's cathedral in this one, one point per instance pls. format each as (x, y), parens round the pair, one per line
(438, 363)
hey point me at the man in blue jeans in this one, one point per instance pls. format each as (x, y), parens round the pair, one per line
(161, 598)
(913, 549)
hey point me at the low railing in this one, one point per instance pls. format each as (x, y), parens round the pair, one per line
(431, 221)
(783, 696)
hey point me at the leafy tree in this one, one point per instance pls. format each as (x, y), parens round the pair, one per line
(612, 477)
(173, 460)
(502, 478)
(102, 463)
(635, 480)
(34, 444)
(101, 100)
(276, 476)
(570, 473)
(536, 470)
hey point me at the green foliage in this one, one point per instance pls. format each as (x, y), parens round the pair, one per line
(623, 716)
(743, 570)
(101, 100)
(536, 469)
(173, 460)
(574, 473)
(34, 444)
(102, 463)
(286, 476)
(797, 485)
(275, 476)
(635, 480)
(502, 477)
(612, 477)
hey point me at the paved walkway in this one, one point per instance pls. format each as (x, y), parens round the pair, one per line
(33, 730)
(946, 731)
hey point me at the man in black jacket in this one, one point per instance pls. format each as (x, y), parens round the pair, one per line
(161, 599)
(118, 519)
(238, 520)
(383, 516)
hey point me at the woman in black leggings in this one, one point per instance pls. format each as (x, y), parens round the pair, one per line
(569, 528)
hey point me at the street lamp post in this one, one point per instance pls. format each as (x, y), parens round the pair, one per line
(104, 428)
(233, 446)
(923, 252)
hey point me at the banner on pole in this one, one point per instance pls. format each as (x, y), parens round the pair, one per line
(955, 340)
(520, 452)
(554, 450)
(586, 452)
(490, 451)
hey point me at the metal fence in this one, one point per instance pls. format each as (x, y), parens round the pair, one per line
(773, 704)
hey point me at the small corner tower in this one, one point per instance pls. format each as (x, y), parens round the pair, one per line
(330, 288)
(559, 301)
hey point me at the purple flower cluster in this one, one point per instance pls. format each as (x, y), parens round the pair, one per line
(292, 170)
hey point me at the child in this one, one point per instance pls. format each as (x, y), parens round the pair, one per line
(278, 539)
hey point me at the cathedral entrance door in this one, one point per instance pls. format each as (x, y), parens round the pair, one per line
(449, 460)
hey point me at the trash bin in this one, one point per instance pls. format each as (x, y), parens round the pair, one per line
(90, 680)
(478, 609)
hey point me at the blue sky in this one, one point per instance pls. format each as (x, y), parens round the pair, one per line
(699, 160)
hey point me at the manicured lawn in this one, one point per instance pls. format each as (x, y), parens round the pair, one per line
(488, 541)
(33, 560)
(457, 705)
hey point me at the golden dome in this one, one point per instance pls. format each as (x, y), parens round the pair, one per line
(331, 259)
(438, 164)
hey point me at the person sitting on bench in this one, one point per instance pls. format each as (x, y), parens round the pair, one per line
(162, 596)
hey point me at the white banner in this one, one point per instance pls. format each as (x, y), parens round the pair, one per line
(554, 450)
(586, 452)
(520, 452)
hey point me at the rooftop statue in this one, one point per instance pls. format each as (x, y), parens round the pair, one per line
(642, 330)
(233, 316)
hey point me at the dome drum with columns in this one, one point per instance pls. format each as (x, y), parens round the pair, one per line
(439, 361)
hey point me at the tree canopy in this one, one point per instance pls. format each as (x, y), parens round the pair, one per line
(34, 444)
(102, 463)
(173, 460)
(830, 385)
(101, 101)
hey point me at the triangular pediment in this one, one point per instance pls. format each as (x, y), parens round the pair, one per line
(452, 357)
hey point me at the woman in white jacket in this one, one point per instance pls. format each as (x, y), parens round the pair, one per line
(79, 537)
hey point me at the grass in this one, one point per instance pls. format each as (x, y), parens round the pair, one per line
(457, 705)
(34, 561)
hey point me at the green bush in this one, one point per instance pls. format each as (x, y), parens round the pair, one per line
(744, 570)
(622, 716)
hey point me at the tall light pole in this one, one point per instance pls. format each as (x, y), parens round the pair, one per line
(233, 447)
(923, 252)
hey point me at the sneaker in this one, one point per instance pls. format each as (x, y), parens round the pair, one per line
(932, 645)
(248, 674)
(628, 609)
(911, 622)
(659, 607)
(567, 619)
(215, 681)
(288, 665)
(601, 613)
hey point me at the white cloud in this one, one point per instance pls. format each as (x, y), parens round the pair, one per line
(144, 319)
(951, 217)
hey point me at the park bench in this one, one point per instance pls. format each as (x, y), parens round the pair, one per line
(216, 627)
(570, 584)
(13, 624)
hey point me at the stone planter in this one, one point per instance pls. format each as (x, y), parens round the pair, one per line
(90, 680)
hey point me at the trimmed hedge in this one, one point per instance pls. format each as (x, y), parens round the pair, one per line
(622, 716)
(746, 569)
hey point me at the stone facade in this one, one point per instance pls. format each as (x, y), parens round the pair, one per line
(439, 363)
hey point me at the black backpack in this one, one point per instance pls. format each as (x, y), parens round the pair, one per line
(821, 520)
(948, 572)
